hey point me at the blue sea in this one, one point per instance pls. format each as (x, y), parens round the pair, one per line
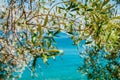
(62, 68)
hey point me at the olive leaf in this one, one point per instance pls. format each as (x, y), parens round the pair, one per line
(34, 63)
(40, 30)
(45, 21)
(105, 2)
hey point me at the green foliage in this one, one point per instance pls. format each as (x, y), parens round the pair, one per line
(26, 36)
(100, 28)
(29, 27)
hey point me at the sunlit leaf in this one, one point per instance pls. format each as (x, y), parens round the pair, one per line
(40, 30)
(105, 2)
(45, 21)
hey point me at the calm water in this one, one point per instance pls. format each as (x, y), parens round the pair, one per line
(62, 68)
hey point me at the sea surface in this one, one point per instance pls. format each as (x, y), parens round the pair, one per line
(64, 67)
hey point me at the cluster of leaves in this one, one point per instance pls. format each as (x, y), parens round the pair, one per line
(26, 33)
(97, 66)
(100, 27)
(28, 28)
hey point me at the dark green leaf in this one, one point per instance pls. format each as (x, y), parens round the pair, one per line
(90, 9)
(88, 42)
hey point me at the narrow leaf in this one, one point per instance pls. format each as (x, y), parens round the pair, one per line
(45, 21)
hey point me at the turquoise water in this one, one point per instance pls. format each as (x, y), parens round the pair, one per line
(62, 68)
(65, 69)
